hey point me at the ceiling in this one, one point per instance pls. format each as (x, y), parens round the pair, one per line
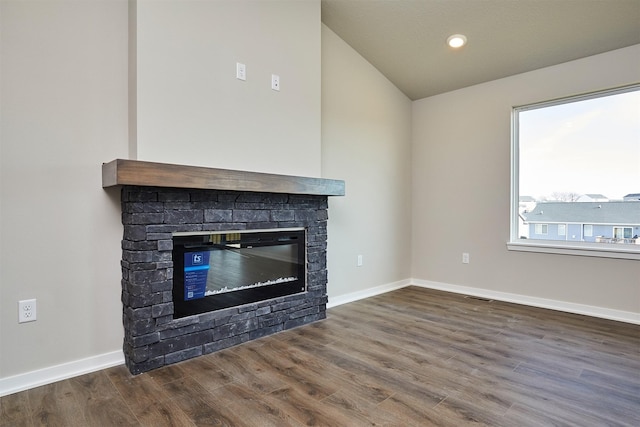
(406, 39)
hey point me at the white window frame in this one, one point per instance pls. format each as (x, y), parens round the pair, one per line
(564, 247)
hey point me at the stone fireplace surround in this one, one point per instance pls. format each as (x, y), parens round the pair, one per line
(150, 216)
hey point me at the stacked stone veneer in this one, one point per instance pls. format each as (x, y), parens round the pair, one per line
(150, 215)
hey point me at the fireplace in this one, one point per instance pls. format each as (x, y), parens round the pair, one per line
(173, 212)
(215, 270)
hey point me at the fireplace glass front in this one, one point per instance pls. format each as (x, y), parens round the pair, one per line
(225, 269)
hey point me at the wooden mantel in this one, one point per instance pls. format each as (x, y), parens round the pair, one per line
(150, 174)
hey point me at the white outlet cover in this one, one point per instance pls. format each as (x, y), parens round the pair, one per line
(27, 311)
(241, 71)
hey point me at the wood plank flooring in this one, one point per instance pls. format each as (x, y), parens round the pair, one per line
(412, 357)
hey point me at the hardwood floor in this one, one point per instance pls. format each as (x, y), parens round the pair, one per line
(412, 357)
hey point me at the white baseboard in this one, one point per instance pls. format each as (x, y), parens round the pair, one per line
(60, 372)
(371, 292)
(569, 307)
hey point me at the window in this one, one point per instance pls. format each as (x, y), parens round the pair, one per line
(562, 230)
(588, 230)
(576, 161)
(622, 232)
(541, 228)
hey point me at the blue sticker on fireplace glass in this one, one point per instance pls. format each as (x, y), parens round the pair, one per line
(196, 270)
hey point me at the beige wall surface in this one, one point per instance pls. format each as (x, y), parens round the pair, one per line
(366, 135)
(64, 112)
(192, 110)
(461, 190)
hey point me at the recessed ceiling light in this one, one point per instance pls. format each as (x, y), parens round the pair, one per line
(456, 41)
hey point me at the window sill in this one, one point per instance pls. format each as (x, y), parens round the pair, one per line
(579, 249)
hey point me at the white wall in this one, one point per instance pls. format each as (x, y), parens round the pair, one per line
(461, 176)
(366, 136)
(64, 112)
(192, 110)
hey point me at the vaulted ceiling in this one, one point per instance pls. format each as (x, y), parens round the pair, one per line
(406, 39)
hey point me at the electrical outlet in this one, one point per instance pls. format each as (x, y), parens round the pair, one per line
(26, 310)
(465, 258)
(275, 82)
(241, 71)
(359, 261)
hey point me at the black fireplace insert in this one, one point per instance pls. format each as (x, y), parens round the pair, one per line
(217, 270)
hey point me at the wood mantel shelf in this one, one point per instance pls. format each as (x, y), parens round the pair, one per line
(150, 174)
